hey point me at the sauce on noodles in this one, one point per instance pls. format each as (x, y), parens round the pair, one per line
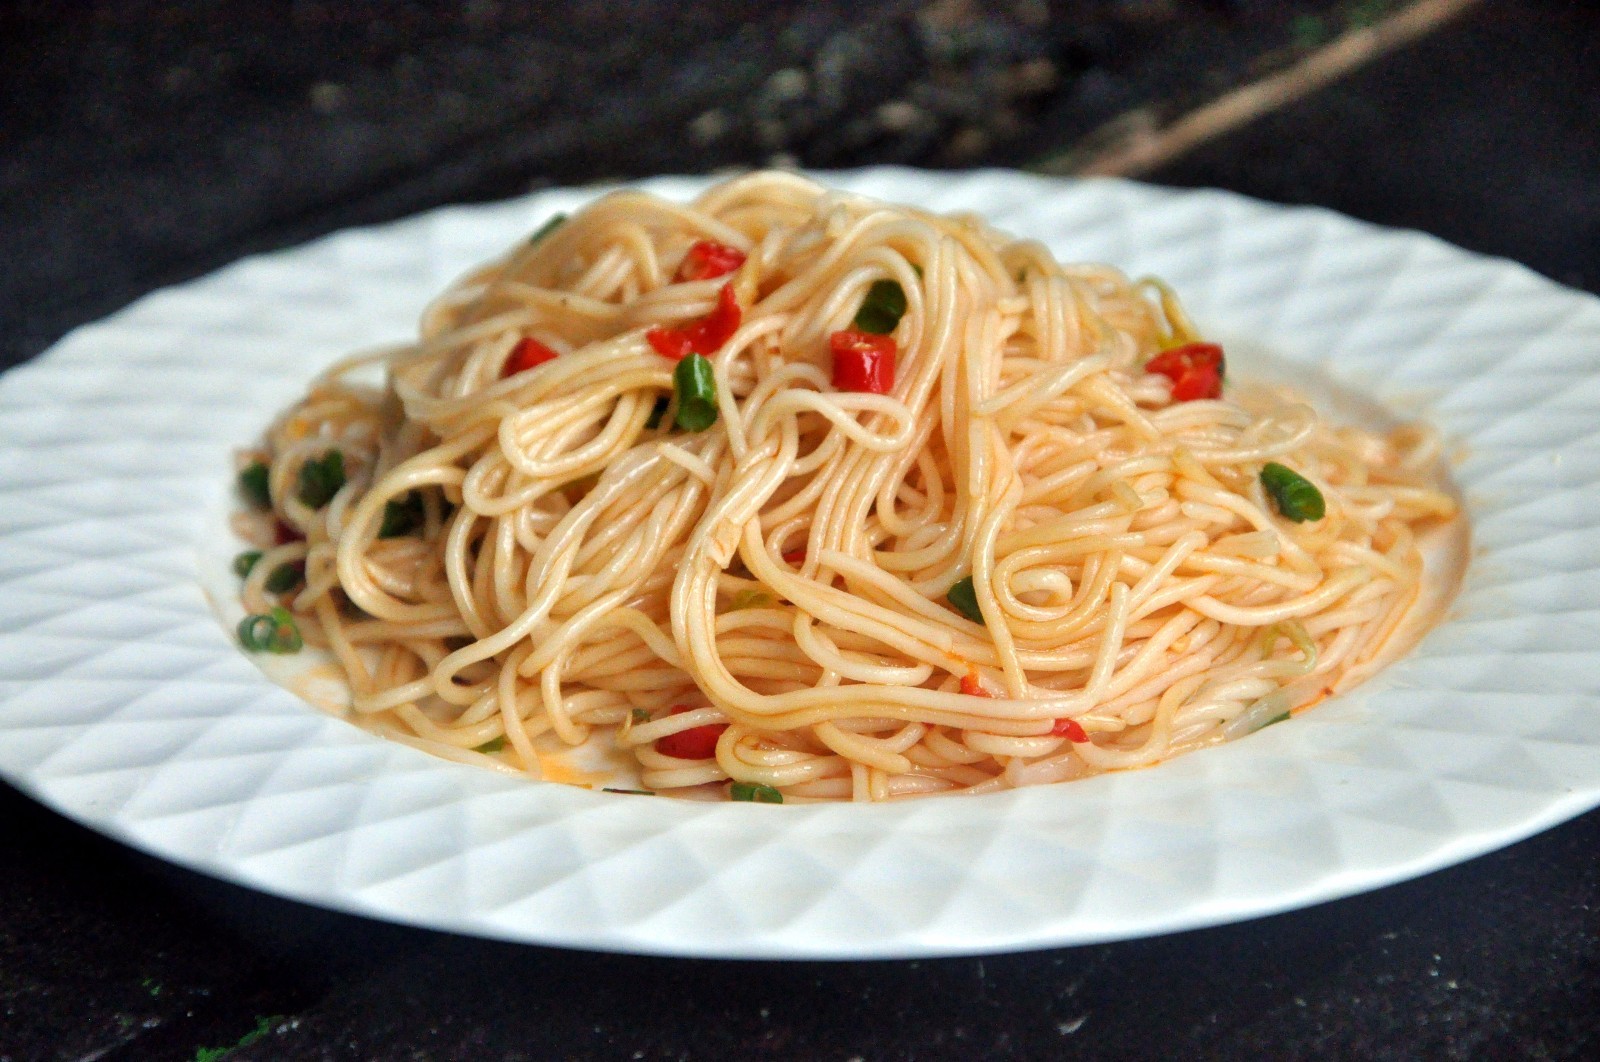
(789, 494)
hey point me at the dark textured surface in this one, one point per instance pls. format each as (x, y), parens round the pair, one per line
(139, 144)
(1487, 135)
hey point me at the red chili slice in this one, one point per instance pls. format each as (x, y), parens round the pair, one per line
(1070, 729)
(708, 259)
(1195, 369)
(863, 361)
(670, 342)
(704, 336)
(527, 354)
(972, 686)
(720, 324)
(696, 743)
(795, 556)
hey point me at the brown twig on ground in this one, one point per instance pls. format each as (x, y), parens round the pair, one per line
(1135, 145)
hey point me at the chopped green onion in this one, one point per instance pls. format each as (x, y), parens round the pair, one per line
(492, 745)
(641, 715)
(657, 411)
(286, 639)
(883, 307)
(255, 632)
(696, 384)
(965, 599)
(1292, 494)
(755, 792)
(401, 515)
(245, 562)
(321, 479)
(284, 577)
(630, 792)
(253, 485)
(555, 222)
(274, 632)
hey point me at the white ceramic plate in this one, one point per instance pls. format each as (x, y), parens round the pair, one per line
(124, 704)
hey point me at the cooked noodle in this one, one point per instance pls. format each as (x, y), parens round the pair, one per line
(572, 571)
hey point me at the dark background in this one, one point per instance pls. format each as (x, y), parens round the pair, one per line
(144, 143)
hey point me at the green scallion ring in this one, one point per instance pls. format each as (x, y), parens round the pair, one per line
(401, 515)
(754, 792)
(1292, 494)
(253, 485)
(965, 598)
(696, 384)
(882, 308)
(255, 632)
(285, 634)
(283, 577)
(245, 563)
(321, 478)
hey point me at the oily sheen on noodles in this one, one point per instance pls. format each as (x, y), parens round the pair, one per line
(791, 494)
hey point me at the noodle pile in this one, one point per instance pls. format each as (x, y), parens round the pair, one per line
(576, 564)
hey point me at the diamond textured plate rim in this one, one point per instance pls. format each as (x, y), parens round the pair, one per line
(124, 705)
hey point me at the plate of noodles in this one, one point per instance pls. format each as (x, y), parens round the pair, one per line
(886, 564)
